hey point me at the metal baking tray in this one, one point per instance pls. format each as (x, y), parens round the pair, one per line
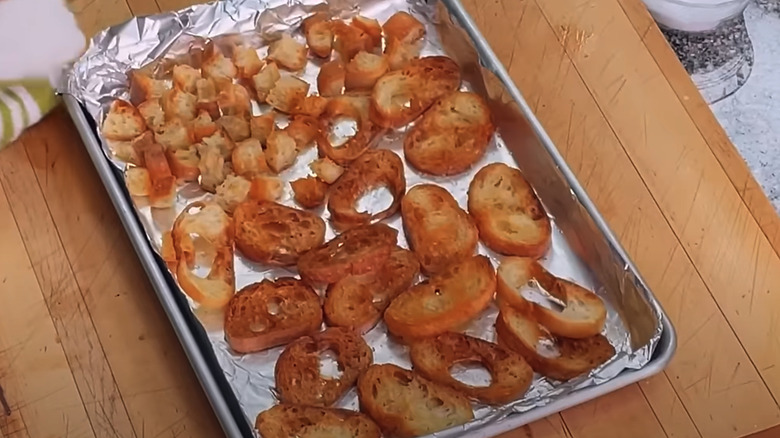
(584, 230)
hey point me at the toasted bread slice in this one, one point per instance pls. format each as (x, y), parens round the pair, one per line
(212, 166)
(370, 26)
(288, 53)
(271, 313)
(438, 231)
(510, 218)
(510, 374)
(273, 234)
(186, 77)
(319, 34)
(246, 61)
(281, 151)
(286, 421)
(123, 121)
(174, 134)
(310, 192)
(403, 27)
(349, 40)
(583, 314)
(138, 181)
(445, 302)
(265, 80)
(352, 108)
(233, 191)
(234, 100)
(326, 170)
(203, 126)
(552, 356)
(212, 224)
(218, 68)
(249, 159)
(152, 112)
(287, 93)
(451, 136)
(405, 404)
(374, 169)
(401, 95)
(357, 251)
(236, 127)
(330, 79)
(266, 188)
(260, 127)
(184, 163)
(358, 301)
(364, 70)
(144, 87)
(297, 371)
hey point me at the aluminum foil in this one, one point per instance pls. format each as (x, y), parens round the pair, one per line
(580, 250)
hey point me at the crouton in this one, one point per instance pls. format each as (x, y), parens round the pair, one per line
(184, 163)
(369, 26)
(280, 151)
(261, 126)
(203, 126)
(249, 159)
(162, 193)
(349, 40)
(218, 68)
(330, 80)
(364, 70)
(174, 135)
(309, 192)
(312, 106)
(138, 181)
(123, 121)
(247, 62)
(402, 27)
(211, 166)
(265, 81)
(141, 144)
(185, 78)
(288, 53)
(124, 151)
(319, 35)
(266, 188)
(288, 93)
(222, 142)
(234, 100)
(144, 87)
(303, 130)
(236, 127)
(153, 114)
(233, 191)
(207, 97)
(400, 54)
(178, 104)
(326, 170)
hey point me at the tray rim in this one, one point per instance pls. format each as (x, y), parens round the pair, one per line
(209, 382)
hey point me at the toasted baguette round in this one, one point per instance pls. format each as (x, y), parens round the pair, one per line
(405, 404)
(286, 420)
(451, 136)
(358, 301)
(510, 218)
(373, 169)
(555, 357)
(351, 107)
(438, 231)
(400, 96)
(270, 313)
(271, 233)
(510, 375)
(583, 315)
(356, 251)
(297, 372)
(444, 302)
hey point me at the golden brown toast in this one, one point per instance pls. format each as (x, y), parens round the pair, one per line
(233, 191)
(137, 181)
(178, 104)
(185, 77)
(358, 301)
(405, 404)
(356, 251)
(288, 53)
(353, 107)
(266, 188)
(246, 61)
(144, 87)
(206, 91)
(297, 371)
(400, 96)
(370, 26)
(280, 150)
(350, 40)
(312, 106)
(326, 170)
(403, 27)
(217, 67)
(400, 54)
(261, 126)
(556, 357)
(248, 158)
(212, 166)
(271, 313)
(152, 112)
(319, 34)
(184, 163)
(439, 232)
(309, 192)
(364, 70)
(287, 93)
(174, 134)
(273, 234)
(445, 302)
(373, 169)
(123, 122)
(203, 126)
(236, 127)
(162, 192)
(583, 314)
(510, 375)
(451, 136)
(291, 421)
(510, 218)
(234, 100)
(265, 80)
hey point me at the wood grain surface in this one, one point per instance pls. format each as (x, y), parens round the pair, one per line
(86, 350)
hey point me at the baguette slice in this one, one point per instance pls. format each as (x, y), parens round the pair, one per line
(445, 302)
(583, 315)
(286, 420)
(271, 313)
(510, 218)
(552, 356)
(405, 404)
(439, 232)
(510, 374)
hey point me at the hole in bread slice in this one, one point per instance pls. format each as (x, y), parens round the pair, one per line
(471, 372)
(375, 201)
(341, 130)
(329, 366)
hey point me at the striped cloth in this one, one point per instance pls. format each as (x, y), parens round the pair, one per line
(23, 103)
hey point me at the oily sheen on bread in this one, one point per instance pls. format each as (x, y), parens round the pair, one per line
(288, 420)
(405, 404)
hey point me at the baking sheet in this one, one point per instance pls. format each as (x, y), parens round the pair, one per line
(633, 324)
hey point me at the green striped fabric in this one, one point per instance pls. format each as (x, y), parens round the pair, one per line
(22, 103)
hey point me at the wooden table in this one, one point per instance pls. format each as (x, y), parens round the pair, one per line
(86, 350)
